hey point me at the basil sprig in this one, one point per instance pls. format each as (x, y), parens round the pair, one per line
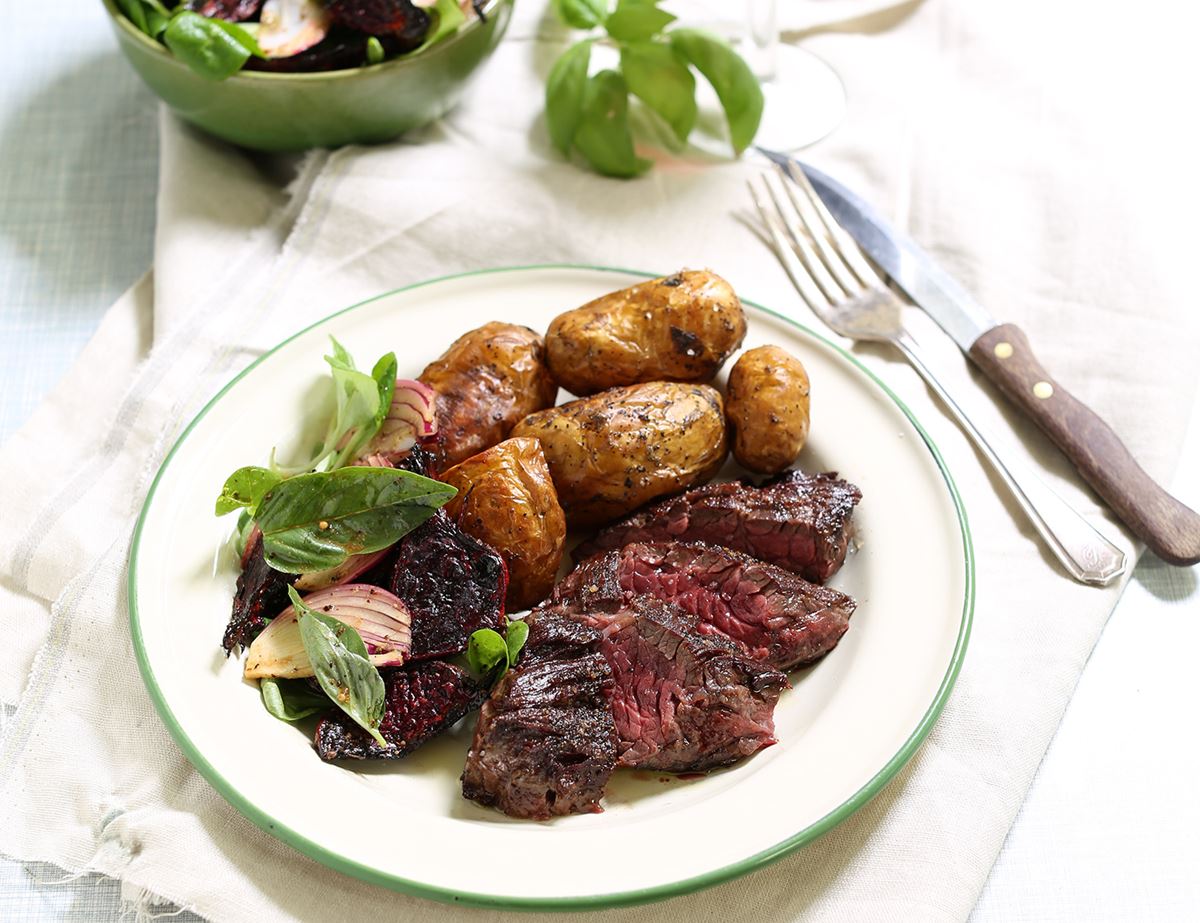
(490, 655)
(340, 664)
(590, 114)
(315, 521)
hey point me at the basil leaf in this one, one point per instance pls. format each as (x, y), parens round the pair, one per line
(240, 35)
(737, 87)
(314, 521)
(135, 12)
(486, 650)
(245, 488)
(205, 46)
(291, 699)
(341, 667)
(384, 375)
(375, 52)
(359, 411)
(603, 135)
(515, 637)
(657, 75)
(564, 94)
(637, 22)
(241, 534)
(581, 14)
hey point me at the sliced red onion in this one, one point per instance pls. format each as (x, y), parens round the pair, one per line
(352, 567)
(380, 618)
(376, 461)
(411, 417)
(292, 26)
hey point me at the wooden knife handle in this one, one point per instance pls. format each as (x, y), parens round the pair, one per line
(1170, 529)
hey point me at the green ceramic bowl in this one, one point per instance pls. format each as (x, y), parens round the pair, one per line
(291, 112)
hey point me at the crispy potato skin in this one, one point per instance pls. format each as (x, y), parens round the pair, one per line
(767, 409)
(506, 498)
(614, 451)
(486, 381)
(677, 328)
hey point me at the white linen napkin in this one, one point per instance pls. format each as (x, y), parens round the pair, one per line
(966, 126)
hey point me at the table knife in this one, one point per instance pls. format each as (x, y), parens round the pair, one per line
(1002, 352)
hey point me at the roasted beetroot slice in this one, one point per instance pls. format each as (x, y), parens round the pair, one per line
(229, 10)
(423, 700)
(379, 17)
(452, 584)
(261, 594)
(340, 50)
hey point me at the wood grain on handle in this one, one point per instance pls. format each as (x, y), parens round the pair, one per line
(1170, 529)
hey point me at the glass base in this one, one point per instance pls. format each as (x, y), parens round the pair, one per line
(803, 102)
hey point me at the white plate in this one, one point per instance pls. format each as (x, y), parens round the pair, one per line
(847, 727)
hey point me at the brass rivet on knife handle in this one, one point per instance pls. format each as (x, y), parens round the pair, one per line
(1170, 529)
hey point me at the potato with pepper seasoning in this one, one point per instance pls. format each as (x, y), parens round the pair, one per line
(767, 409)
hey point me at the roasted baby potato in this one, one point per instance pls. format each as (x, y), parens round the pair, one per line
(487, 380)
(678, 328)
(507, 499)
(767, 409)
(616, 450)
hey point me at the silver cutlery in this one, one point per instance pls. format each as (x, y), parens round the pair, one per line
(839, 285)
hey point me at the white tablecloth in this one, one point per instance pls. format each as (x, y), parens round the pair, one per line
(1108, 831)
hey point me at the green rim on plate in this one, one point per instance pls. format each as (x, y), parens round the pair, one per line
(584, 902)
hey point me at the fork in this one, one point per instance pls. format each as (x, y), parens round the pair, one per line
(835, 280)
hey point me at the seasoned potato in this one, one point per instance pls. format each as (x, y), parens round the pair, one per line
(616, 450)
(486, 381)
(678, 328)
(767, 408)
(507, 499)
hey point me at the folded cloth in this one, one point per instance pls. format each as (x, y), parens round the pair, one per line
(1002, 161)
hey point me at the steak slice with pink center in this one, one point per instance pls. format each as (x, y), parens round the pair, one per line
(797, 521)
(779, 618)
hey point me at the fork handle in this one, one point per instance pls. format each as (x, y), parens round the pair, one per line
(1086, 553)
(1168, 527)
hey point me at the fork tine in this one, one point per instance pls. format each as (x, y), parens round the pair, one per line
(795, 269)
(812, 224)
(801, 244)
(842, 241)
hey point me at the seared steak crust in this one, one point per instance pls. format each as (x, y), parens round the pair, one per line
(423, 700)
(452, 584)
(779, 618)
(798, 521)
(261, 594)
(545, 744)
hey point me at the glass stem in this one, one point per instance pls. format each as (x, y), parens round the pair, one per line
(764, 39)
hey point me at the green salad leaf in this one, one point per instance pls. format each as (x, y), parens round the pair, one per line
(212, 48)
(603, 135)
(314, 521)
(736, 86)
(448, 17)
(341, 667)
(245, 488)
(375, 52)
(291, 699)
(490, 654)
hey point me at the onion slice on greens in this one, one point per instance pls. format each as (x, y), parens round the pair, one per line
(352, 567)
(411, 418)
(380, 618)
(292, 26)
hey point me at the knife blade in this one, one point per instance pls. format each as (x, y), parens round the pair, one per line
(1002, 352)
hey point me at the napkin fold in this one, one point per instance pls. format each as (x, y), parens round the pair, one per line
(966, 126)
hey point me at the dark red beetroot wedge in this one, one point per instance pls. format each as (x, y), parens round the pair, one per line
(423, 700)
(452, 584)
(261, 594)
(797, 521)
(778, 617)
(377, 17)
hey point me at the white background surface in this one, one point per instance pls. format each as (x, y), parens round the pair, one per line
(1109, 831)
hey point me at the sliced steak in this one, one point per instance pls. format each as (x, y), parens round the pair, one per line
(261, 594)
(798, 521)
(423, 700)
(546, 744)
(682, 701)
(779, 618)
(452, 584)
